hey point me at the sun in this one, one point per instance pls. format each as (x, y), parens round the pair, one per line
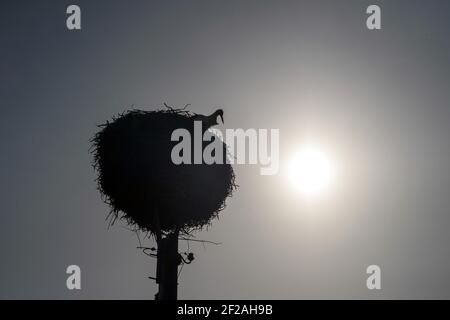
(310, 171)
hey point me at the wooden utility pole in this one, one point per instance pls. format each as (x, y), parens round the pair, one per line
(167, 267)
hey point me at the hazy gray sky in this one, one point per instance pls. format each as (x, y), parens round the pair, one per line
(377, 101)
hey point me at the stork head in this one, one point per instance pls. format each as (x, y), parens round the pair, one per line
(217, 113)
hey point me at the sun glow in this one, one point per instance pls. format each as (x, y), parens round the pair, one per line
(310, 171)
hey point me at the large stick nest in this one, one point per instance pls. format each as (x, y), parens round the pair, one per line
(137, 178)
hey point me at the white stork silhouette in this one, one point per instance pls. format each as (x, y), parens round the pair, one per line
(209, 121)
